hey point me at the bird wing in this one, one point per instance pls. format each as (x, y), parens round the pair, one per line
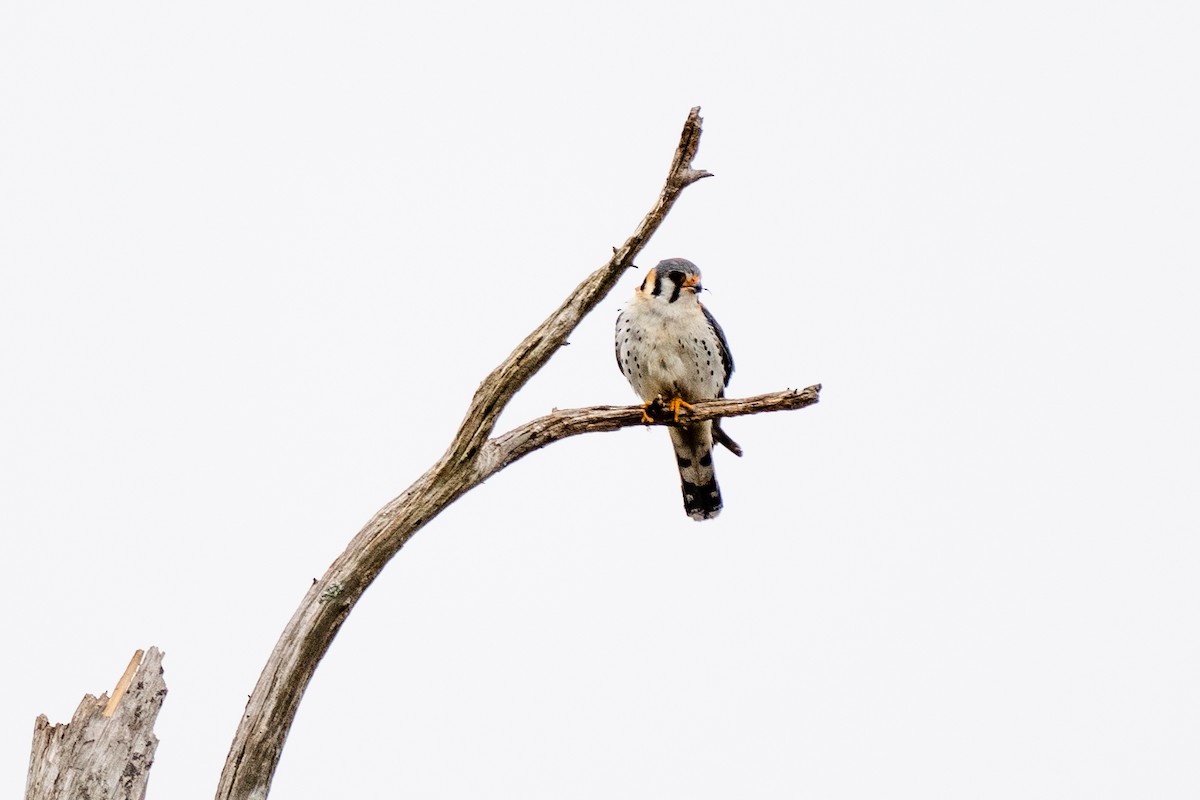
(722, 345)
(617, 342)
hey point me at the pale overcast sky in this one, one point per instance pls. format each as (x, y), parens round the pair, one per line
(257, 256)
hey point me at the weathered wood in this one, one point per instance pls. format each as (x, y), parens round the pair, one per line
(503, 450)
(106, 750)
(472, 456)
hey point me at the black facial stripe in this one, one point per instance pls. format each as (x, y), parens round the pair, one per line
(675, 294)
(657, 284)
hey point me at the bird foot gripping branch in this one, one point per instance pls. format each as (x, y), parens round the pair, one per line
(675, 405)
(656, 411)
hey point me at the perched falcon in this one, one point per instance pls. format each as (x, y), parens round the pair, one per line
(673, 352)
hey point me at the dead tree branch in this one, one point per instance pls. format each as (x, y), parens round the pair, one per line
(105, 751)
(559, 424)
(471, 457)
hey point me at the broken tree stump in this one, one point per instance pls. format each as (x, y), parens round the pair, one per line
(106, 750)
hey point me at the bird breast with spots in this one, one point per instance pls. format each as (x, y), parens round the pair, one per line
(669, 350)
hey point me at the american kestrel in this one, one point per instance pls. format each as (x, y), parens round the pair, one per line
(673, 352)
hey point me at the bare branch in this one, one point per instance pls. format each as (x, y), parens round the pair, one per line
(258, 743)
(532, 354)
(559, 424)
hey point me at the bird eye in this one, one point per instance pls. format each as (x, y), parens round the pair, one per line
(676, 276)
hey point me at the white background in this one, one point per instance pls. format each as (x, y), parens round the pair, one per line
(256, 257)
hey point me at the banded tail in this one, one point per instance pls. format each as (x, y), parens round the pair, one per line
(693, 454)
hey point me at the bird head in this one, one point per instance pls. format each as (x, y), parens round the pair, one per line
(672, 279)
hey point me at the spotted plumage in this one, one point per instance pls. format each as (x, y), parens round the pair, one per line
(670, 348)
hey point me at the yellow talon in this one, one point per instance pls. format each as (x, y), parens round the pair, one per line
(676, 404)
(673, 407)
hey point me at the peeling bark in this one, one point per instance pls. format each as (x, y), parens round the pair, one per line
(106, 750)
